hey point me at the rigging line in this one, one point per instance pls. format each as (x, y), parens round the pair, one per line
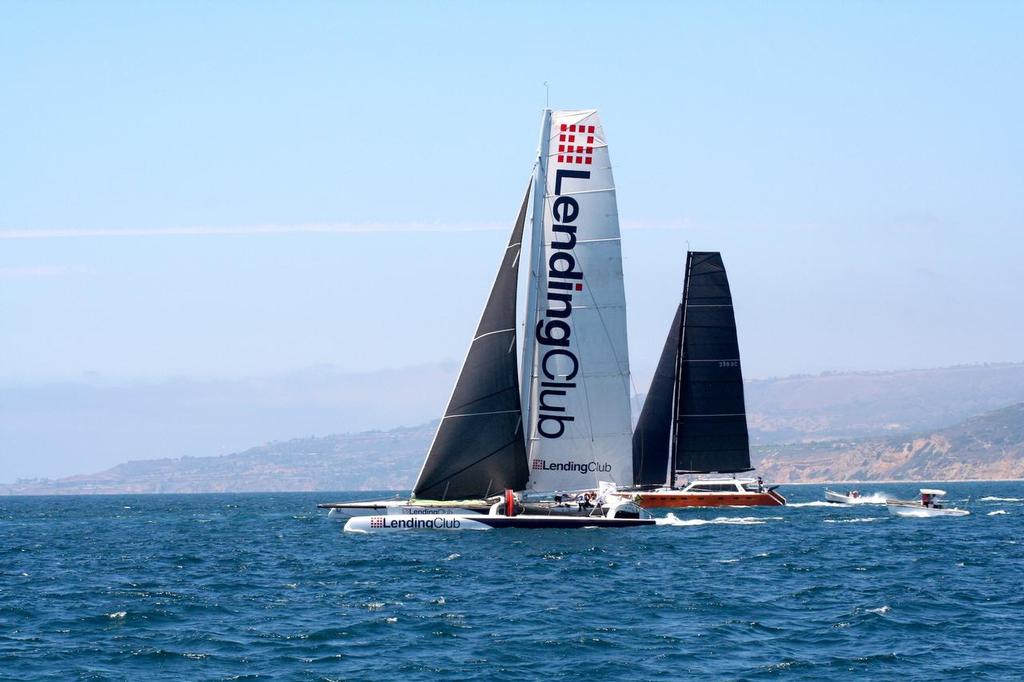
(477, 414)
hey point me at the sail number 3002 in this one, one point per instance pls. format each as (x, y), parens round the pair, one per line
(728, 363)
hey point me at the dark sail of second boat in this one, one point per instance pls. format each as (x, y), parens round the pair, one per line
(694, 418)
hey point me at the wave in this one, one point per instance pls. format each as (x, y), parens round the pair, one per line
(1000, 499)
(880, 609)
(672, 520)
(997, 512)
(873, 498)
(860, 519)
(816, 503)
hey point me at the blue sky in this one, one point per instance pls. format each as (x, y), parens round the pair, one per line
(858, 164)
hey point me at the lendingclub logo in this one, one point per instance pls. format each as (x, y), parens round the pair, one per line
(554, 329)
(437, 522)
(580, 468)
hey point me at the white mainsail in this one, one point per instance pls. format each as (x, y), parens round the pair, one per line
(575, 356)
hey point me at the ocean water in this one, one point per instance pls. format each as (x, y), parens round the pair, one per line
(266, 587)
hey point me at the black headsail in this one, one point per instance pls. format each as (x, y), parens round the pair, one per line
(652, 437)
(479, 448)
(711, 420)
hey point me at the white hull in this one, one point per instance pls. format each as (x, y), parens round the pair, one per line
(839, 498)
(448, 522)
(917, 511)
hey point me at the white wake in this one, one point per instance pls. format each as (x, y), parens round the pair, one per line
(672, 520)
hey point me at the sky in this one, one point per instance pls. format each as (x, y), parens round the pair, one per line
(226, 190)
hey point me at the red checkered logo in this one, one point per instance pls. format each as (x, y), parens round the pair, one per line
(576, 144)
(376, 522)
(538, 464)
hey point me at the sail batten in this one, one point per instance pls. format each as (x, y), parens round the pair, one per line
(479, 446)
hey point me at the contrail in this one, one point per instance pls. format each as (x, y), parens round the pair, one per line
(309, 228)
(312, 228)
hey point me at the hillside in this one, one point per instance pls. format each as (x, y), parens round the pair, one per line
(371, 460)
(989, 446)
(865, 426)
(856, 405)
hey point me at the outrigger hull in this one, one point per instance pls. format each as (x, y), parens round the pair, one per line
(677, 499)
(391, 507)
(446, 522)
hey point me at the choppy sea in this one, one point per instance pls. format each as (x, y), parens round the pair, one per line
(263, 586)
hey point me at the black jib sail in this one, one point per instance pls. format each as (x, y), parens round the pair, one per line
(479, 448)
(711, 419)
(652, 438)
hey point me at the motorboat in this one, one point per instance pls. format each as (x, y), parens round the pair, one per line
(930, 504)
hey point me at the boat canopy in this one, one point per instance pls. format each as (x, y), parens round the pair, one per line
(933, 491)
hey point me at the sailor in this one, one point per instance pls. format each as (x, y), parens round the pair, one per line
(585, 502)
(760, 484)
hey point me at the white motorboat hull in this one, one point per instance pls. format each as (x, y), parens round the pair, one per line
(837, 498)
(918, 511)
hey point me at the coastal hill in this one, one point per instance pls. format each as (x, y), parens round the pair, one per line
(988, 446)
(949, 423)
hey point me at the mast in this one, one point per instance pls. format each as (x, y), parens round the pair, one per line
(673, 455)
(529, 363)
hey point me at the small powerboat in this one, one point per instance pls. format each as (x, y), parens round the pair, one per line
(851, 497)
(930, 504)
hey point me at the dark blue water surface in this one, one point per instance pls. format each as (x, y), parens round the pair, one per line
(265, 586)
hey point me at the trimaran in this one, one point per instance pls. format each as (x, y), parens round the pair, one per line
(515, 434)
